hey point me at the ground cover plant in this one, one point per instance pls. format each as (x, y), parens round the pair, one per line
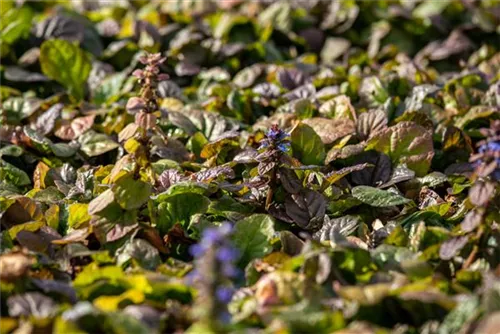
(250, 166)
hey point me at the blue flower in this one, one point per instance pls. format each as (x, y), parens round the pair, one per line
(276, 138)
(227, 254)
(211, 236)
(489, 152)
(225, 317)
(284, 147)
(492, 146)
(197, 250)
(264, 143)
(224, 294)
(276, 134)
(273, 133)
(214, 270)
(230, 271)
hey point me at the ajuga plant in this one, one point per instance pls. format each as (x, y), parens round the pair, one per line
(487, 160)
(137, 135)
(213, 276)
(273, 154)
(479, 225)
(132, 178)
(372, 194)
(286, 198)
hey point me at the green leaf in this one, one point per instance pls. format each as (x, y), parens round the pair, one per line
(378, 197)
(405, 142)
(13, 175)
(307, 145)
(67, 64)
(104, 205)
(252, 236)
(131, 194)
(123, 323)
(93, 273)
(196, 143)
(179, 209)
(8, 92)
(63, 150)
(94, 144)
(278, 15)
(29, 227)
(141, 251)
(430, 8)
(78, 215)
(11, 150)
(5, 203)
(109, 89)
(16, 23)
(463, 313)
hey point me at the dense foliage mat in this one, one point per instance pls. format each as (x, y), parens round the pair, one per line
(250, 167)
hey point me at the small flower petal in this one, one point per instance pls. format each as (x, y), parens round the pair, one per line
(224, 294)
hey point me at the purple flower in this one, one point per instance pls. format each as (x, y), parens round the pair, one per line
(276, 134)
(487, 161)
(492, 146)
(229, 270)
(227, 254)
(225, 317)
(224, 294)
(276, 138)
(211, 236)
(197, 250)
(284, 147)
(215, 269)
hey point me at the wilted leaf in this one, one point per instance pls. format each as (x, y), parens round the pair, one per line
(376, 173)
(59, 26)
(73, 130)
(291, 78)
(471, 220)
(17, 74)
(339, 107)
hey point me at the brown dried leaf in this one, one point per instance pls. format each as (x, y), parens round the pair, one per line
(14, 266)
